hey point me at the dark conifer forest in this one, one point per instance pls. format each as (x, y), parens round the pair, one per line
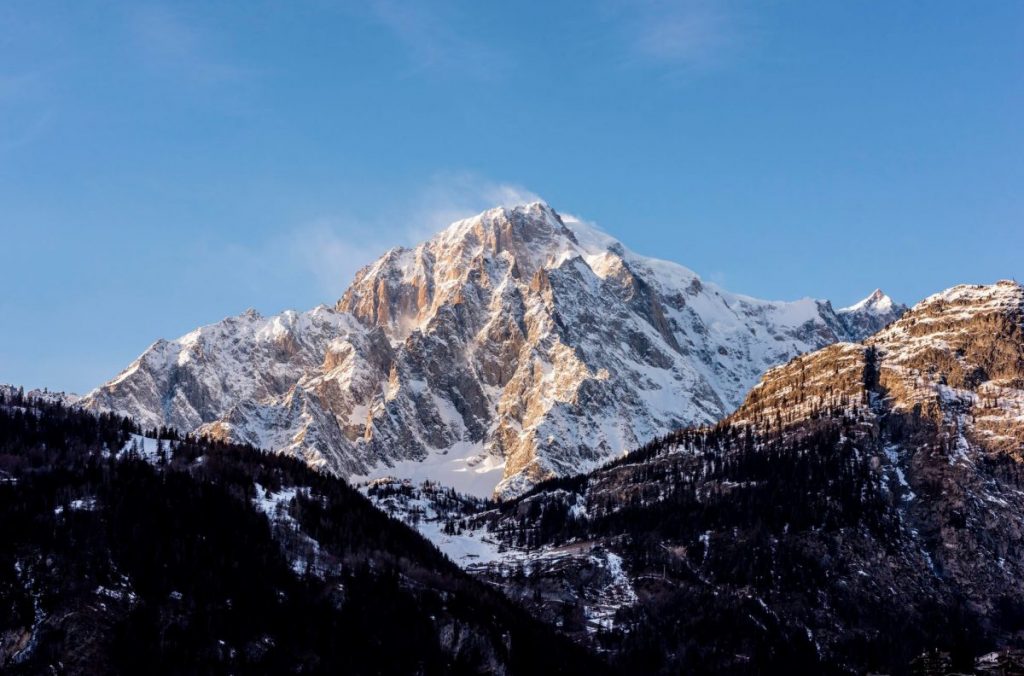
(789, 551)
(113, 564)
(786, 553)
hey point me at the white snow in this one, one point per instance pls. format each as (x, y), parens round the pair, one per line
(617, 594)
(38, 615)
(468, 549)
(892, 454)
(464, 467)
(275, 505)
(78, 505)
(421, 512)
(428, 507)
(877, 303)
(147, 448)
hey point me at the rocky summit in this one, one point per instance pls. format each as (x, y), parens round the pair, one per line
(514, 346)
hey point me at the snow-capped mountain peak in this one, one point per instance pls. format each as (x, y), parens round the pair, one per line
(877, 303)
(870, 314)
(512, 346)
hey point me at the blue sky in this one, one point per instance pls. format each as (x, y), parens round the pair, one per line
(163, 165)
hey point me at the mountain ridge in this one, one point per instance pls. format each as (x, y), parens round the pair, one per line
(515, 345)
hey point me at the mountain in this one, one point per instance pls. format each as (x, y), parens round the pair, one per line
(516, 345)
(43, 395)
(861, 512)
(870, 315)
(129, 553)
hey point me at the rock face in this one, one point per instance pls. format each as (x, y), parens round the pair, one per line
(861, 507)
(515, 345)
(945, 391)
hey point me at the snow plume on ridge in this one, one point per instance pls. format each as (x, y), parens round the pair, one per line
(332, 247)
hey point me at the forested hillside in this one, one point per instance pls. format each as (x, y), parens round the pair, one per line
(863, 511)
(131, 553)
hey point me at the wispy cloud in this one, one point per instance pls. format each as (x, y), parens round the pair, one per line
(25, 113)
(169, 40)
(453, 196)
(333, 250)
(329, 250)
(430, 31)
(27, 132)
(20, 86)
(690, 34)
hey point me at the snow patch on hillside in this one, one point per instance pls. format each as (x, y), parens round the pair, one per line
(147, 448)
(303, 552)
(464, 467)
